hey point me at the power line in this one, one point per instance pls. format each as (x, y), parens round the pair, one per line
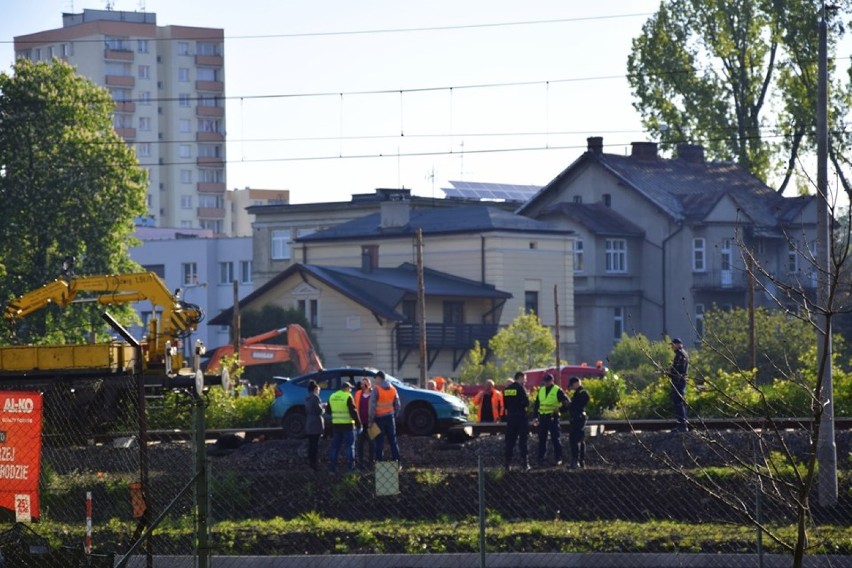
(374, 31)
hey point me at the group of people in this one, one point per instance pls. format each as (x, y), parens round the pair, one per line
(373, 408)
(548, 404)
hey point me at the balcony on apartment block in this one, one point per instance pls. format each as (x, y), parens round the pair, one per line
(126, 133)
(120, 80)
(217, 86)
(125, 106)
(209, 137)
(720, 280)
(209, 111)
(210, 161)
(211, 213)
(210, 60)
(444, 336)
(118, 54)
(210, 187)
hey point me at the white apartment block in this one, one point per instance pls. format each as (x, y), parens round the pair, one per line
(168, 83)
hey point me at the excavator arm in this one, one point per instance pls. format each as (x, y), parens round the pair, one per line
(177, 319)
(299, 351)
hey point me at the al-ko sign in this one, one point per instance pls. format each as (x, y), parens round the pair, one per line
(20, 453)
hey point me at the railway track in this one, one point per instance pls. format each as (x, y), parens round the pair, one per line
(597, 427)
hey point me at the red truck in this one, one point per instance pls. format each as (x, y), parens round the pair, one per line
(536, 376)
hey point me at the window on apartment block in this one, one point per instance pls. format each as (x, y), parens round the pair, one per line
(226, 272)
(792, 258)
(190, 273)
(186, 176)
(183, 74)
(183, 48)
(185, 151)
(183, 100)
(579, 256)
(206, 74)
(310, 309)
(699, 320)
(245, 272)
(142, 45)
(280, 245)
(143, 149)
(186, 202)
(144, 97)
(617, 323)
(211, 201)
(184, 125)
(145, 123)
(65, 50)
(144, 72)
(207, 48)
(453, 312)
(531, 302)
(616, 255)
(698, 255)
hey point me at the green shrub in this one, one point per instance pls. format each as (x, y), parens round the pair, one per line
(604, 394)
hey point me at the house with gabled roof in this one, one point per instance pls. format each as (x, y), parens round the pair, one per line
(659, 241)
(357, 285)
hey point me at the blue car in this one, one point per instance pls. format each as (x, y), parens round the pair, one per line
(422, 412)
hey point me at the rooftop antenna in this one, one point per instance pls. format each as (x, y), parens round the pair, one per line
(141, 5)
(430, 175)
(109, 5)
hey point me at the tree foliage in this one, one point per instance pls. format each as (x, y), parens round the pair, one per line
(523, 344)
(738, 76)
(638, 360)
(69, 187)
(781, 341)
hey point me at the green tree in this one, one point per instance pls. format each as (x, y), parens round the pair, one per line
(738, 76)
(639, 361)
(476, 369)
(781, 342)
(69, 187)
(524, 344)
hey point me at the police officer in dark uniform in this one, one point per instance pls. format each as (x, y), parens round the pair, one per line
(516, 401)
(577, 415)
(677, 377)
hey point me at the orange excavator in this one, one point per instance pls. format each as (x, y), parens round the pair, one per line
(299, 351)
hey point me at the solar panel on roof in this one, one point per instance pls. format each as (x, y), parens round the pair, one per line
(485, 190)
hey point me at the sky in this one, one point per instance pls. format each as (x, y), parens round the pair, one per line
(328, 98)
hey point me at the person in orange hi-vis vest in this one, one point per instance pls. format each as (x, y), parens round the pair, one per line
(384, 406)
(489, 403)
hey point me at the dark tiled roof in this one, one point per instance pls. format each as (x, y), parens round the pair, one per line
(687, 190)
(379, 290)
(466, 219)
(597, 218)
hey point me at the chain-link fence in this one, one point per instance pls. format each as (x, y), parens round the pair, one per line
(642, 499)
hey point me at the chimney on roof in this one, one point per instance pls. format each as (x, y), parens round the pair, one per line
(644, 150)
(595, 144)
(692, 153)
(395, 214)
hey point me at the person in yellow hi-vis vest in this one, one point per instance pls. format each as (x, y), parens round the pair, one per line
(549, 401)
(344, 424)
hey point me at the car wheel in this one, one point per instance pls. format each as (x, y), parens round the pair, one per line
(293, 423)
(420, 421)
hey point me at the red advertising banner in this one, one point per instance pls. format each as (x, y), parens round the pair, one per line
(20, 453)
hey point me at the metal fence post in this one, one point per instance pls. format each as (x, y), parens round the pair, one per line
(481, 478)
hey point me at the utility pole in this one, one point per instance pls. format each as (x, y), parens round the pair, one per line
(826, 447)
(421, 307)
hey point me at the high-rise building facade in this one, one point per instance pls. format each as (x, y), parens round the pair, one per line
(168, 83)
